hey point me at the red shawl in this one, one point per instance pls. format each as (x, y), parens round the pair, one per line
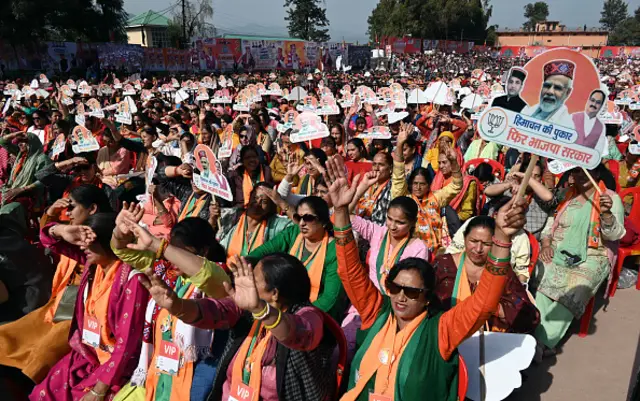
(440, 182)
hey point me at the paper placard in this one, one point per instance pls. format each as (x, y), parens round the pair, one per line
(560, 167)
(328, 107)
(123, 113)
(288, 121)
(274, 90)
(151, 166)
(535, 136)
(243, 101)
(72, 84)
(377, 132)
(634, 149)
(209, 177)
(79, 118)
(94, 108)
(117, 84)
(84, 88)
(308, 126)
(129, 90)
(309, 103)
(181, 96)
(203, 95)
(226, 148)
(59, 145)
(82, 140)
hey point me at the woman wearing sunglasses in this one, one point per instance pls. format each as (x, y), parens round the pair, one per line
(37, 341)
(458, 275)
(244, 178)
(408, 320)
(311, 241)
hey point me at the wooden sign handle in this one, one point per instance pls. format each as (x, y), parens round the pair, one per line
(527, 176)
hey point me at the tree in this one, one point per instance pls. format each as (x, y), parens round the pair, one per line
(613, 13)
(431, 19)
(627, 33)
(534, 13)
(307, 20)
(636, 14)
(193, 23)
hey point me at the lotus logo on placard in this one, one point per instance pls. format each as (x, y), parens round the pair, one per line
(493, 122)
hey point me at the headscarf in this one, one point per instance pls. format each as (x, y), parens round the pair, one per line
(436, 148)
(27, 164)
(251, 135)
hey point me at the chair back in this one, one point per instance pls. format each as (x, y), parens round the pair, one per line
(535, 252)
(498, 169)
(635, 208)
(463, 379)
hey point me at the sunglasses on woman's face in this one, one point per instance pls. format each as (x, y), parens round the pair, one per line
(307, 218)
(411, 292)
(242, 136)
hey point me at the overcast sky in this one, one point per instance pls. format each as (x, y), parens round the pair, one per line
(348, 18)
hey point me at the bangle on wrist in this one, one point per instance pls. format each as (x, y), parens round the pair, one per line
(163, 247)
(101, 395)
(277, 322)
(263, 313)
(502, 244)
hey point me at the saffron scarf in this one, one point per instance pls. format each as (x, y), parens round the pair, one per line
(247, 185)
(243, 242)
(593, 238)
(96, 305)
(159, 385)
(382, 358)
(461, 288)
(62, 277)
(387, 259)
(314, 263)
(367, 203)
(247, 367)
(429, 226)
(192, 207)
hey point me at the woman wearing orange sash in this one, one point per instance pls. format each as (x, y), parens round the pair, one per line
(429, 226)
(106, 329)
(458, 276)
(282, 351)
(311, 241)
(314, 162)
(408, 321)
(37, 341)
(374, 191)
(245, 177)
(153, 379)
(248, 228)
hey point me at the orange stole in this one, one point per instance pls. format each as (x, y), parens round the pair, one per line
(314, 264)
(253, 362)
(247, 185)
(181, 382)
(241, 236)
(383, 357)
(429, 226)
(61, 278)
(97, 305)
(365, 205)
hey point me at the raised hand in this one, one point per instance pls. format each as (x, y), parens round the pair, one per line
(164, 296)
(293, 165)
(245, 293)
(58, 206)
(131, 214)
(81, 236)
(511, 217)
(606, 203)
(214, 211)
(144, 240)
(340, 192)
(185, 170)
(369, 179)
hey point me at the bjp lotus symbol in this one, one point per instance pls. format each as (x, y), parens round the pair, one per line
(494, 121)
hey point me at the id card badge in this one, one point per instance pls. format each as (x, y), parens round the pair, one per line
(91, 331)
(169, 359)
(378, 397)
(242, 392)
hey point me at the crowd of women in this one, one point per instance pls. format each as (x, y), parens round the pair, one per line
(344, 268)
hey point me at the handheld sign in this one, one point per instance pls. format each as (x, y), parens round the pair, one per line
(79, 118)
(226, 148)
(82, 140)
(561, 124)
(288, 121)
(117, 84)
(123, 113)
(59, 145)
(151, 166)
(243, 101)
(377, 132)
(209, 177)
(308, 126)
(203, 95)
(328, 107)
(94, 108)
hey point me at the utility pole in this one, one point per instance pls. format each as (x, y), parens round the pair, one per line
(184, 23)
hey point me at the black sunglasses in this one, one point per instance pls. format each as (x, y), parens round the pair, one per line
(411, 292)
(307, 218)
(242, 136)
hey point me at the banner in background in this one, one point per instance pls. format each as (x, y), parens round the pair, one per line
(217, 54)
(294, 54)
(358, 57)
(129, 57)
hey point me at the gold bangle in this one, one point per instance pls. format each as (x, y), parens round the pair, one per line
(273, 326)
(263, 313)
